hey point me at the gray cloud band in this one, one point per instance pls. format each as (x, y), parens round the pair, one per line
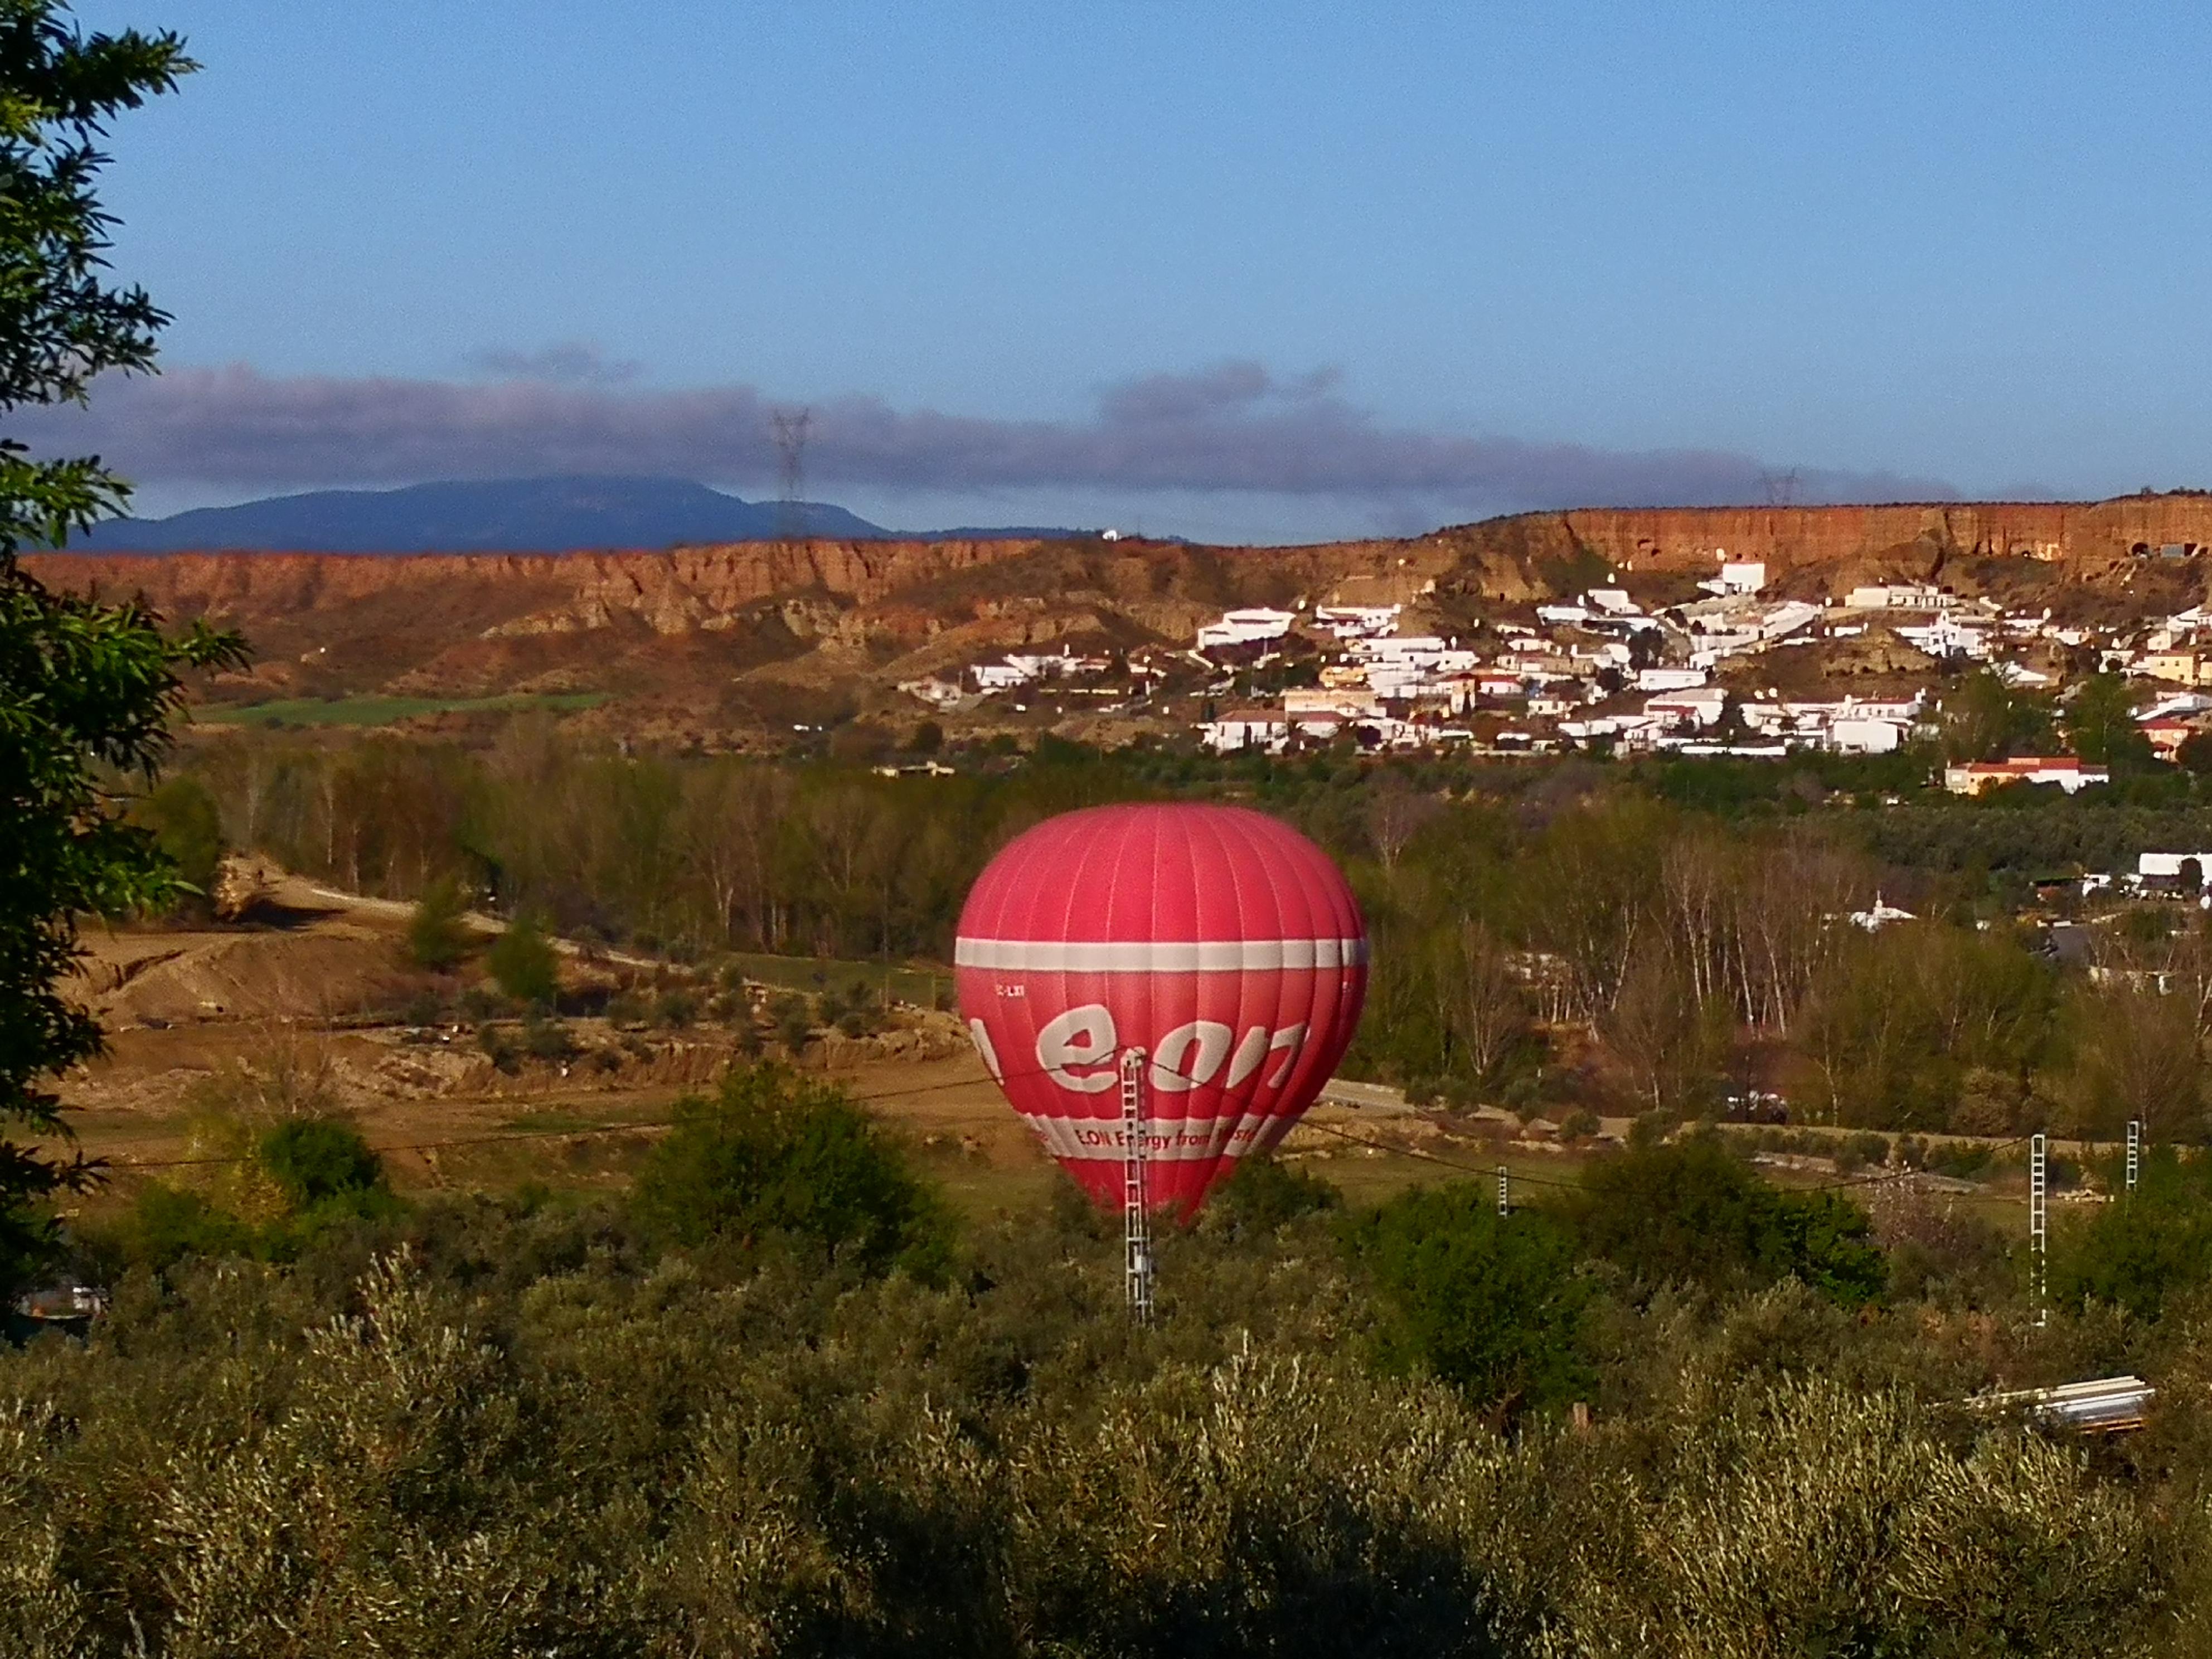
(1235, 427)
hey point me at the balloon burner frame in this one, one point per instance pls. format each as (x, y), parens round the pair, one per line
(1136, 1216)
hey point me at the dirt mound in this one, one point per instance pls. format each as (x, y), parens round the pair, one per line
(330, 970)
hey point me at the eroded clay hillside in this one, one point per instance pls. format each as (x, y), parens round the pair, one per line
(708, 641)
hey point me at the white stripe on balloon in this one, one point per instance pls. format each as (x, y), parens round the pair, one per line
(1157, 957)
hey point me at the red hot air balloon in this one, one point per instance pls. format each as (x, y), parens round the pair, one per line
(1222, 943)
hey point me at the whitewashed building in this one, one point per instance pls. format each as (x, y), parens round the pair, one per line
(1268, 729)
(1255, 626)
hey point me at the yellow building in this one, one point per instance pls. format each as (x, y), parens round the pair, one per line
(2183, 667)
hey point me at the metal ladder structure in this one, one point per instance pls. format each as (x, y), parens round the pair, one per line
(2039, 1221)
(1136, 1214)
(2135, 1151)
(1504, 1192)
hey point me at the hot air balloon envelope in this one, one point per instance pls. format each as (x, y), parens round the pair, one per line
(1220, 941)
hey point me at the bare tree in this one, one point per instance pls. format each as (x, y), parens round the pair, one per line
(1395, 814)
(1598, 875)
(858, 841)
(1657, 1032)
(726, 831)
(2138, 1058)
(1485, 1007)
(1788, 907)
(1697, 876)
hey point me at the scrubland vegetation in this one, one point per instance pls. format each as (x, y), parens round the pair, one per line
(777, 1401)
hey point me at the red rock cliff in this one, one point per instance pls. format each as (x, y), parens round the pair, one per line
(669, 589)
(1790, 537)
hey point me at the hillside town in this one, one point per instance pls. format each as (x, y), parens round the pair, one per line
(1736, 670)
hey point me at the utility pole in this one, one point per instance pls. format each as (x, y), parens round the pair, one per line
(2135, 1151)
(2038, 1222)
(1504, 1193)
(790, 429)
(1136, 1218)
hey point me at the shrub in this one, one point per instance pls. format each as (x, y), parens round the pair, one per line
(1962, 1160)
(676, 1008)
(2146, 1247)
(1580, 1124)
(168, 1224)
(793, 1025)
(1693, 1214)
(745, 1035)
(479, 1003)
(498, 1047)
(1492, 1304)
(546, 1039)
(314, 1159)
(523, 962)
(437, 937)
(773, 1154)
(1264, 1192)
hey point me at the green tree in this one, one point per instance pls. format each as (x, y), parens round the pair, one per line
(776, 1154)
(2100, 724)
(2196, 753)
(1983, 719)
(315, 1160)
(436, 935)
(523, 963)
(87, 690)
(1492, 1304)
(1927, 1026)
(2145, 1247)
(187, 828)
(1263, 1194)
(1694, 1214)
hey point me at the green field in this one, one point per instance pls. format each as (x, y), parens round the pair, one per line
(386, 711)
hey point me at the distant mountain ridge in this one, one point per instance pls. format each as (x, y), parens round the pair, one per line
(504, 515)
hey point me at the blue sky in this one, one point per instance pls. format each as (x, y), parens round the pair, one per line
(1369, 268)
